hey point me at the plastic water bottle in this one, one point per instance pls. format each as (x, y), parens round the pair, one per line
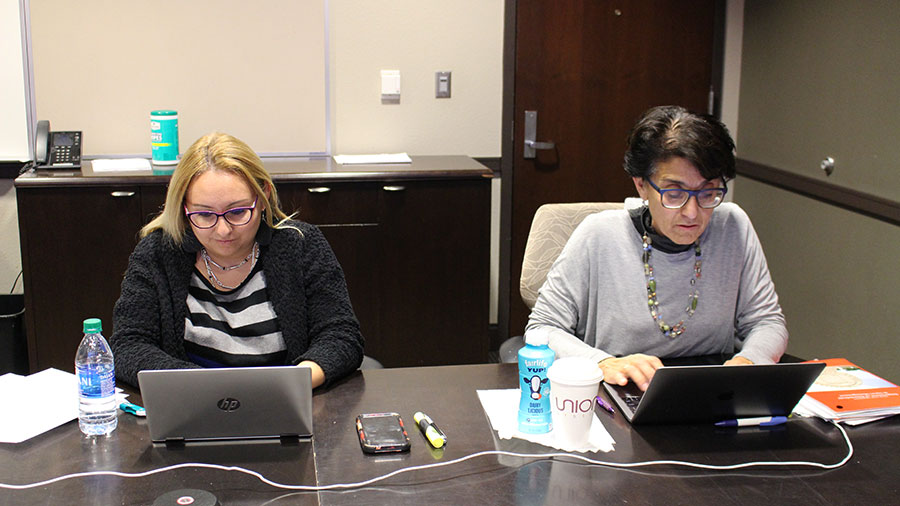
(96, 382)
(534, 407)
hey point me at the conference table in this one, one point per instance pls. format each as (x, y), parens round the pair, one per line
(448, 395)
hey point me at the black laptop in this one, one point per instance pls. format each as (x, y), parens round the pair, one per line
(713, 393)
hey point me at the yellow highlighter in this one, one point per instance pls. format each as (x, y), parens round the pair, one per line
(431, 431)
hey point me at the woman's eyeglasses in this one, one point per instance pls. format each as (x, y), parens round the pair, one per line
(676, 198)
(235, 217)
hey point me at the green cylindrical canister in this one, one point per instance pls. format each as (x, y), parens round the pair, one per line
(164, 137)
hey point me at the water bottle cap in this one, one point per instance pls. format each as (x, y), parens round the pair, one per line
(93, 325)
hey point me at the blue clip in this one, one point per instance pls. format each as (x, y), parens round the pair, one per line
(134, 409)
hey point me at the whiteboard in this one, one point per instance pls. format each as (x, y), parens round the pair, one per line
(14, 127)
(256, 70)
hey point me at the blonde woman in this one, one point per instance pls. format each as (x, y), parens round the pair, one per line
(223, 278)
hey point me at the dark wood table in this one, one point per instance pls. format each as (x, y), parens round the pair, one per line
(448, 394)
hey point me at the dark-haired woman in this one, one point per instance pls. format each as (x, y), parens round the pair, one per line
(677, 273)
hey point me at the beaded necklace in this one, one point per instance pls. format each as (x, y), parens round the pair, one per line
(653, 302)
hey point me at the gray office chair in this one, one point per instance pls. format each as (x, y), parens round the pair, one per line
(550, 230)
(370, 363)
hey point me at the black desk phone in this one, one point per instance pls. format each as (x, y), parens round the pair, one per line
(56, 150)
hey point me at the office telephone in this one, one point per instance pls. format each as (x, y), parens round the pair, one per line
(56, 150)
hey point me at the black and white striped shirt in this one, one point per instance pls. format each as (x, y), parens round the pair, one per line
(236, 328)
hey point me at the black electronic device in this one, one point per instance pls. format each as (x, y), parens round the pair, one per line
(382, 433)
(56, 150)
(191, 496)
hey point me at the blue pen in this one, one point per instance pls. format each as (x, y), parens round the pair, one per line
(762, 421)
(134, 409)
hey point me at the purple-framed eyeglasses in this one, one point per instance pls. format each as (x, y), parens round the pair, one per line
(235, 217)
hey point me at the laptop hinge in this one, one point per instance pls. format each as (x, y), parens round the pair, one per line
(176, 442)
(289, 439)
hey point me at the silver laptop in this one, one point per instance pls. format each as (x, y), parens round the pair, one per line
(713, 393)
(227, 404)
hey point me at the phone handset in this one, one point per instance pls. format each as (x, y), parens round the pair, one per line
(42, 142)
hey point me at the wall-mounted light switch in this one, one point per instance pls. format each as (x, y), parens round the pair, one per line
(390, 86)
(442, 84)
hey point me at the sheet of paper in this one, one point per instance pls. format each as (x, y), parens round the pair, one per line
(502, 407)
(37, 403)
(120, 164)
(373, 159)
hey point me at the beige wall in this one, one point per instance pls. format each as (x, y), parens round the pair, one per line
(836, 272)
(417, 38)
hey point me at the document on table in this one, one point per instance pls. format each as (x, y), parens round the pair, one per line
(120, 164)
(383, 158)
(37, 403)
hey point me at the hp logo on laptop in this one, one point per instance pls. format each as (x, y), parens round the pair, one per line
(228, 404)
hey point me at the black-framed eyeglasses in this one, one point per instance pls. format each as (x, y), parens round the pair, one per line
(236, 216)
(676, 198)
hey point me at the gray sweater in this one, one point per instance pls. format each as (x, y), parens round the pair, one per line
(594, 302)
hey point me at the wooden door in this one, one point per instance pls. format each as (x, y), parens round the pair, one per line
(589, 69)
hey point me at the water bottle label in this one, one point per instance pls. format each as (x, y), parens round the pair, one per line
(95, 382)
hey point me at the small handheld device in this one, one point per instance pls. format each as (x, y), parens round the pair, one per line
(382, 433)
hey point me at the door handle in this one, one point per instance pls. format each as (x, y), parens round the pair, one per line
(319, 189)
(393, 188)
(530, 133)
(121, 194)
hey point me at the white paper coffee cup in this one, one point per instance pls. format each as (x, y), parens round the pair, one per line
(574, 382)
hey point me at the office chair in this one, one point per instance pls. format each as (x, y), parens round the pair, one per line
(370, 363)
(550, 230)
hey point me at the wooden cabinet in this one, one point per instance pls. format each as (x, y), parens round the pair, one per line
(435, 237)
(75, 245)
(415, 255)
(413, 243)
(347, 214)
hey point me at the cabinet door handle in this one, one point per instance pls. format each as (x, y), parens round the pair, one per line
(319, 189)
(393, 188)
(122, 194)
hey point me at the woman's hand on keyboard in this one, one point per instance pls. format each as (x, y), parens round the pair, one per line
(638, 368)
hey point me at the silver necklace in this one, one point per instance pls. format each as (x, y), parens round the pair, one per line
(209, 260)
(254, 255)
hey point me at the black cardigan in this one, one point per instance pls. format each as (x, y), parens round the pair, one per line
(304, 282)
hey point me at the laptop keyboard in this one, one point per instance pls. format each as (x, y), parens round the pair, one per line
(632, 401)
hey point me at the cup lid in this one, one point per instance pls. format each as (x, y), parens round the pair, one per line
(575, 371)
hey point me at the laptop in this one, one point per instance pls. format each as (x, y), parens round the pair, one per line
(713, 393)
(186, 405)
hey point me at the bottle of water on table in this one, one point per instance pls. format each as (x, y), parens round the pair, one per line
(96, 382)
